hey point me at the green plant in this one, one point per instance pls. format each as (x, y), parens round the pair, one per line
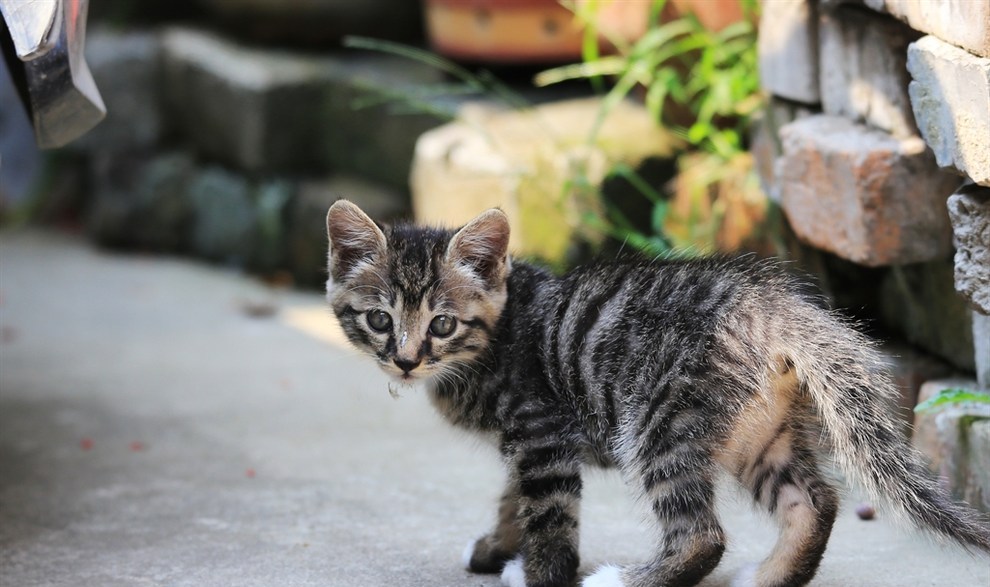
(952, 396)
(700, 84)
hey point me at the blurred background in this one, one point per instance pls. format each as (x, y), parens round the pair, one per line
(847, 137)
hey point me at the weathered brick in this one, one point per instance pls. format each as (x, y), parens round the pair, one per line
(862, 194)
(946, 435)
(766, 147)
(950, 96)
(969, 211)
(919, 302)
(788, 50)
(525, 162)
(964, 23)
(863, 75)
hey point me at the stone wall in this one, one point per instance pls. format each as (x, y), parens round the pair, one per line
(880, 154)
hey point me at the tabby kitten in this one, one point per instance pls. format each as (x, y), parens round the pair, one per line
(669, 370)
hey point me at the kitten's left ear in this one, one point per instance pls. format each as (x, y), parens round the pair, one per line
(482, 246)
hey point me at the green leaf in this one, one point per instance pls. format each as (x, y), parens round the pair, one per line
(952, 396)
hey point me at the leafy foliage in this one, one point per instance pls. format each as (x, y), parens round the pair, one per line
(700, 84)
(952, 396)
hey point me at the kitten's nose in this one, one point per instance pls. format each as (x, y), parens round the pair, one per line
(406, 366)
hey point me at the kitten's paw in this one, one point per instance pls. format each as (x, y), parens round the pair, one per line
(485, 555)
(467, 554)
(513, 575)
(746, 577)
(605, 576)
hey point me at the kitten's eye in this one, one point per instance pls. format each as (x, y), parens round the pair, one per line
(379, 320)
(442, 326)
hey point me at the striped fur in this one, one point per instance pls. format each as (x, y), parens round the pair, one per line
(669, 370)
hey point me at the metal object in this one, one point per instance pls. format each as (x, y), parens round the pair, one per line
(43, 42)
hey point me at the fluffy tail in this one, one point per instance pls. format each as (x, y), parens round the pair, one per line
(845, 377)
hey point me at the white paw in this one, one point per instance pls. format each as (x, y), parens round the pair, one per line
(746, 577)
(605, 576)
(467, 554)
(513, 574)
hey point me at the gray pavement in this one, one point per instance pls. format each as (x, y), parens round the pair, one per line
(153, 432)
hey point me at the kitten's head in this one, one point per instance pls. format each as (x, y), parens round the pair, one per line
(420, 300)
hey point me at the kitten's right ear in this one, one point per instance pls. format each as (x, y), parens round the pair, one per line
(354, 238)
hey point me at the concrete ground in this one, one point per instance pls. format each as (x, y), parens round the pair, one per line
(155, 431)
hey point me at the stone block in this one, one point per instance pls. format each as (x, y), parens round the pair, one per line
(862, 194)
(272, 111)
(225, 218)
(919, 302)
(386, 154)
(954, 438)
(963, 23)
(863, 75)
(127, 70)
(788, 50)
(307, 238)
(950, 96)
(969, 212)
(141, 202)
(538, 165)
(255, 110)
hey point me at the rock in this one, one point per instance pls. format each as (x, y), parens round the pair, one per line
(920, 302)
(969, 211)
(273, 204)
(788, 50)
(537, 165)
(910, 369)
(981, 346)
(863, 75)
(164, 219)
(955, 437)
(950, 96)
(976, 490)
(862, 194)
(225, 219)
(307, 238)
(127, 70)
(270, 111)
(964, 23)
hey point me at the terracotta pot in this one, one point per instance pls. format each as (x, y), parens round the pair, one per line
(503, 31)
(714, 15)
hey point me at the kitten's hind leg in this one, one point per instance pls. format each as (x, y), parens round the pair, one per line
(784, 477)
(679, 483)
(489, 553)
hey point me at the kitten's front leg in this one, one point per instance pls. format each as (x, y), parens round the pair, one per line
(489, 553)
(548, 474)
